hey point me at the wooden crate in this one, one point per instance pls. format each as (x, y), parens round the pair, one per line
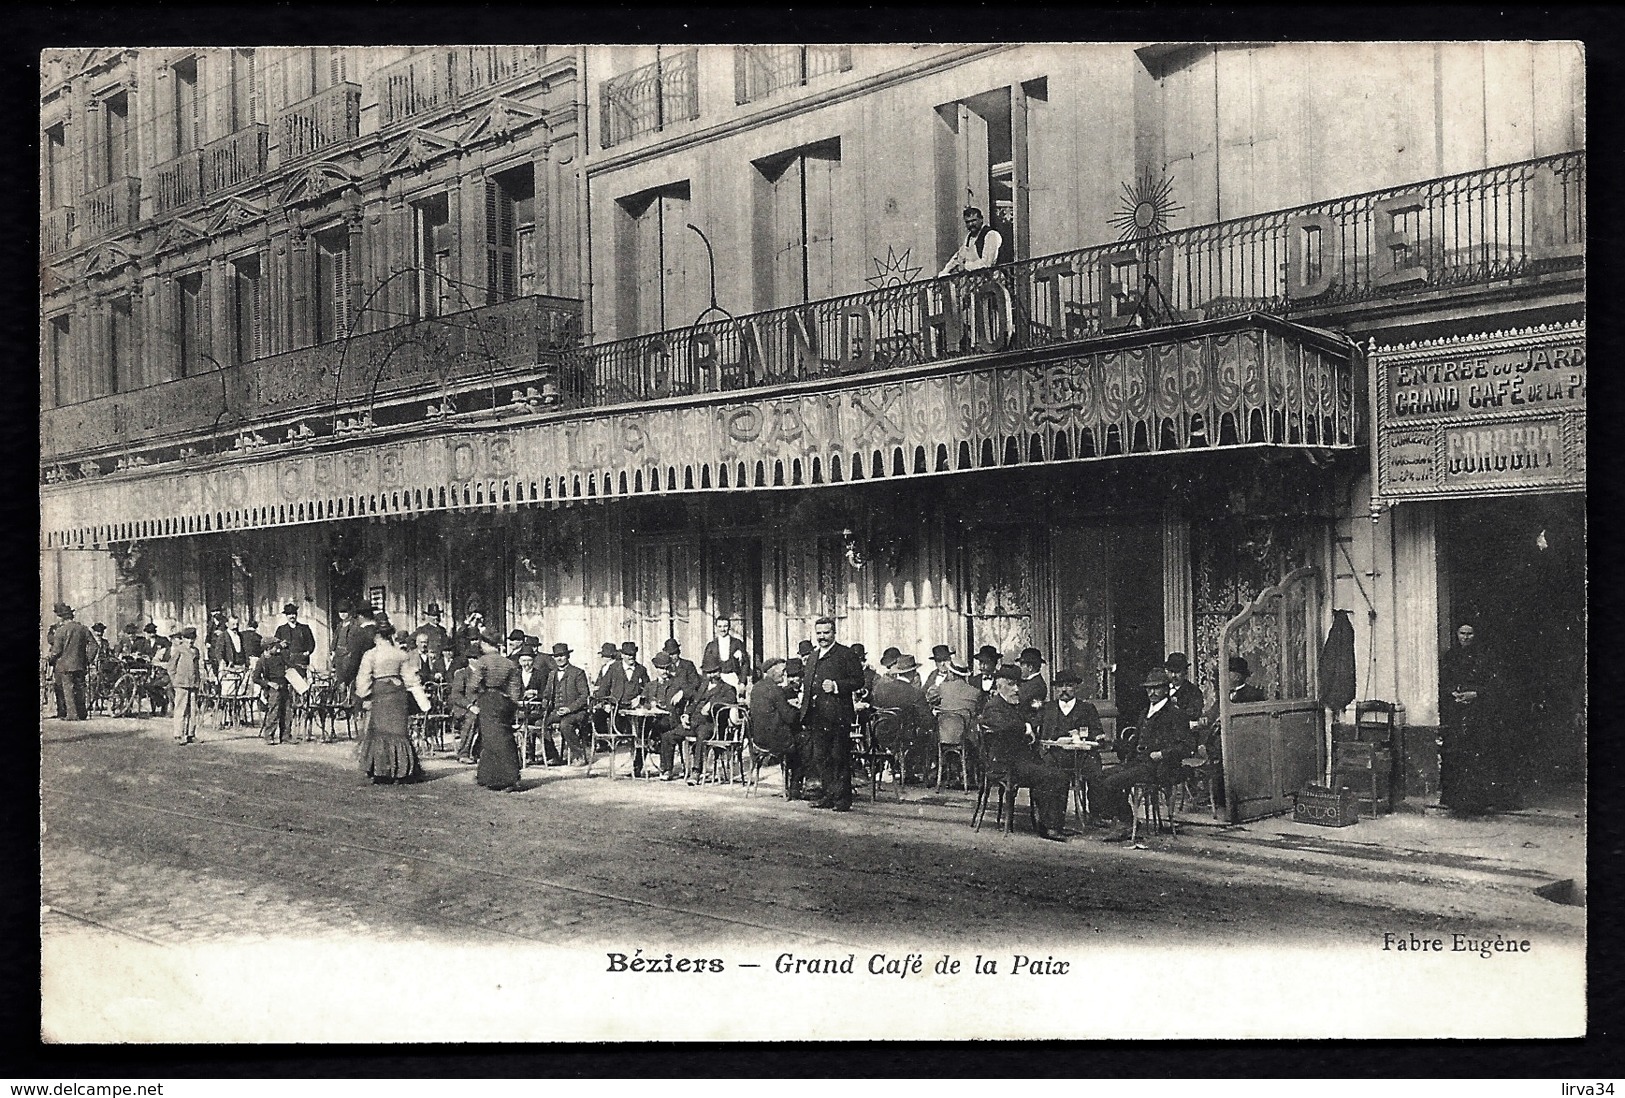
(1316, 804)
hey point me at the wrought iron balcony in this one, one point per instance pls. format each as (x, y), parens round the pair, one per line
(648, 99)
(328, 118)
(178, 182)
(110, 208)
(477, 68)
(1316, 261)
(491, 348)
(235, 158)
(56, 231)
(759, 71)
(431, 80)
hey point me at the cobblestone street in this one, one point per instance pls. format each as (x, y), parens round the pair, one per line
(234, 844)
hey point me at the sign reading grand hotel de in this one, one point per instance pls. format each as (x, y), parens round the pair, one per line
(1481, 415)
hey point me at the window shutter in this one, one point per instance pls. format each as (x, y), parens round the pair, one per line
(492, 259)
(341, 290)
(257, 305)
(500, 266)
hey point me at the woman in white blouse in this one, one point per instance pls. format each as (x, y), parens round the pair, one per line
(386, 677)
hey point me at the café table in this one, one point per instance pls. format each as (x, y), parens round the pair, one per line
(641, 739)
(1076, 752)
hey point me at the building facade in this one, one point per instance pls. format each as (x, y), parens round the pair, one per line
(613, 342)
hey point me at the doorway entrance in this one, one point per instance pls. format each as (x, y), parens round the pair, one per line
(1516, 567)
(1109, 610)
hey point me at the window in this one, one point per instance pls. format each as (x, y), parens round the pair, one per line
(187, 107)
(431, 257)
(658, 284)
(59, 353)
(982, 162)
(331, 300)
(114, 159)
(58, 177)
(246, 305)
(510, 234)
(795, 225)
(759, 71)
(242, 106)
(313, 69)
(193, 324)
(121, 365)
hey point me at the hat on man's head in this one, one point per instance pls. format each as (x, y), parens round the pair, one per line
(1176, 661)
(366, 610)
(1155, 677)
(346, 605)
(608, 650)
(63, 610)
(958, 668)
(942, 652)
(516, 634)
(152, 627)
(1067, 677)
(628, 648)
(98, 628)
(130, 627)
(890, 656)
(433, 610)
(805, 648)
(1008, 672)
(1238, 665)
(1030, 655)
(671, 646)
(859, 651)
(527, 650)
(711, 665)
(988, 652)
(491, 636)
(905, 663)
(561, 649)
(662, 660)
(290, 609)
(793, 667)
(190, 632)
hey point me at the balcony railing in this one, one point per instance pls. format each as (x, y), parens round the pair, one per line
(759, 71)
(496, 345)
(178, 182)
(56, 231)
(326, 119)
(1472, 229)
(439, 78)
(235, 158)
(110, 208)
(648, 99)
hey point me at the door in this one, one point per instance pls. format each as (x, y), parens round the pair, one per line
(1273, 748)
(734, 588)
(664, 598)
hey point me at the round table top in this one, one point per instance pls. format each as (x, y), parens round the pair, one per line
(1071, 745)
(650, 711)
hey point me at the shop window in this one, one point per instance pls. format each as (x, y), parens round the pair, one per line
(510, 234)
(657, 285)
(795, 224)
(431, 258)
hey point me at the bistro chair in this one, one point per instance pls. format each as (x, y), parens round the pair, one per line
(1004, 786)
(1198, 773)
(725, 746)
(1146, 802)
(952, 732)
(612, 738)
(759, 757)
(430, 728)
(885, 726)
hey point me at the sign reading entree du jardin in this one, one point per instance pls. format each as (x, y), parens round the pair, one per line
(1481, 415)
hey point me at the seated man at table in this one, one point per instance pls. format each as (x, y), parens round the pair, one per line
(567, 699)
(1165, 738)
(534, 686)
(1011, 749)
(700, 718)
(915, 723)
(671, 694)
(1066, 717)
(775, 725)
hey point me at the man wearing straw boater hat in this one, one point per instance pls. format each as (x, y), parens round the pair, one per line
(1165, 738)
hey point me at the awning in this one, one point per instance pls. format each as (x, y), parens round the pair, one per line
(1227, 384)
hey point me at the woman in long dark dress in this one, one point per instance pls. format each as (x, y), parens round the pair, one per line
(388, 679)
(494, 684)
(1471, 758)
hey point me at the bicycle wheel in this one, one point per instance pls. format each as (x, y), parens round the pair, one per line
(121, 699)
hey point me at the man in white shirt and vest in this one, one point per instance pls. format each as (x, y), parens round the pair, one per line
(980, 251)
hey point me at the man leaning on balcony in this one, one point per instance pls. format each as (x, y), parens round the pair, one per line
(980, 251)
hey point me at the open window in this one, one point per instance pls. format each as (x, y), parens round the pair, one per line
(796, 210)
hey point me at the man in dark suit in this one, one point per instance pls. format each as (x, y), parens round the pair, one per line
(535, 685)
(270, 672)
(430, 661)
(672, 696)
(775, 725)
(253, 643)
(724, 647)
(439, 640)
(1066, 716)
(1165, 739)
(226, 649)
(70, 658)
(833, 675)
(914, 725)
(1185, 693)
(1010, 748)
(567, 701)
(684, 671)
(348, 660)
(298, 641)
(1034, 691)
(988, 659)
(942, 656)
(1241, 692)
(862, 653)
(341, 638)
(624, 680)
(702, 714)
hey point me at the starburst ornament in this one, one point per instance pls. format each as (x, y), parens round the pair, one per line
(1146, 208)
(894, 270)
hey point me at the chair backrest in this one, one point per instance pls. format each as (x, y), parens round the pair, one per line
(951, 727)
(886, 722)
(729, 722)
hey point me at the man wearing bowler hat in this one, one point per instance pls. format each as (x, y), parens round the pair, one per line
(185, 676)
(683, 671)
(622, 686)
(700, 717)
(1186, 695)
(1034, 691)
(439, 639)
(988, 659)
(672, 697)
(1165, 739)
(1010, 749)
(70, 657)
(942, 658)
(567, 703)
(298, 642)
